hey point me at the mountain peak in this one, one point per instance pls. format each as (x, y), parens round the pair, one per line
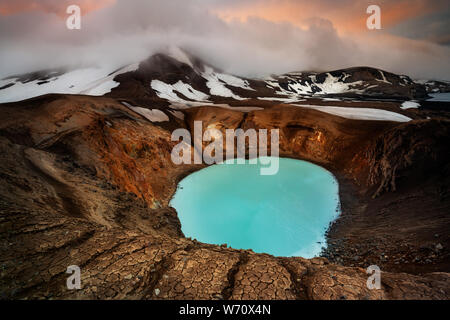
(175, 66)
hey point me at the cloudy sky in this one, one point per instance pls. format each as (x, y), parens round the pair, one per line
(245, 37)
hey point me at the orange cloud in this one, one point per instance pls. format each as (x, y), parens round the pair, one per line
(58, 7)
(347, 16)
(395, 12)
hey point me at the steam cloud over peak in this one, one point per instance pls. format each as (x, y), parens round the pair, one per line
(120, 32)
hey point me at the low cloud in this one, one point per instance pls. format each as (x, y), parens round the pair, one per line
(131, 30)
(58, 7)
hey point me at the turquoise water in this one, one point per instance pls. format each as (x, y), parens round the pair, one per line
(286, 214)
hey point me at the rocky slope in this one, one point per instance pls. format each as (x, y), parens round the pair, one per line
(87, 181)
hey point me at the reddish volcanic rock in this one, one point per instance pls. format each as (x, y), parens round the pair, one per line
(86, 181)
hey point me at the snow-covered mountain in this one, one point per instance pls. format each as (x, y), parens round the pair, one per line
(88, 81)
(184, 80)
(433, 86)
(358, 81)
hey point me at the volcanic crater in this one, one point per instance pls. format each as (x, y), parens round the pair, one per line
(87, 181)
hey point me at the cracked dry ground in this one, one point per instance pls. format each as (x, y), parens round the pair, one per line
(85, 181)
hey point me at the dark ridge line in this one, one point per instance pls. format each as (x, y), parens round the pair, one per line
(153, 277)
(231, 276)
(300, 290)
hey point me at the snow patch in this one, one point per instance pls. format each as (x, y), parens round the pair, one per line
(217, 88)
(285, 100)
(332, 85)
(234, 81)
(383, 78)
(410, 105)
(105, 85)
(189, 92)
(360, 113)
(167, 91)
(180, 106)
(153, 115)
(177, 114)
(72, 82)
